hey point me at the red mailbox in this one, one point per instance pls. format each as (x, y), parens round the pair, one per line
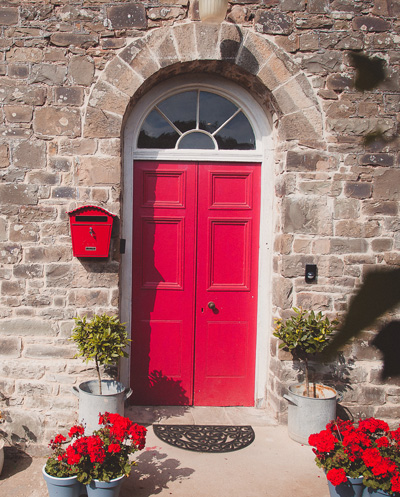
(90, 231)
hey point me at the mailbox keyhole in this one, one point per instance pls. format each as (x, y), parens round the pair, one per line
(91, 231)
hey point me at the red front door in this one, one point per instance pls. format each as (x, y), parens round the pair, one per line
(195, 267)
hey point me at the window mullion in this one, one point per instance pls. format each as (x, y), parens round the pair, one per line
(226, 122)
(198, 110)
(168, 121)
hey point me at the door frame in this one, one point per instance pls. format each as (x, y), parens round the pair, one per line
(264, 154)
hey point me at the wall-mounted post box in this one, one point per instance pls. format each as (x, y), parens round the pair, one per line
(90, 231)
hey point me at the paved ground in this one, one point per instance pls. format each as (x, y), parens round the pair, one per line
(272, 466)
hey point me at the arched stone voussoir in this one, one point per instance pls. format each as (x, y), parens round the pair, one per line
(241, 48)
(305, 126)
(101, 124)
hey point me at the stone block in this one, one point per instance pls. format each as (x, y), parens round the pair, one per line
(25, 426)
(3, 230)
(128, 15)
(48, 351)
(273, 22)
(288, 43)
(185, 38)
(164, 48)
(69, 95)
(254, 52)
(64, 192)
(101, 124)
(65, 39)
(382, 244)
(282, 294)
(77, 146)
(306, 216)
(47, 255)
(295, 94)
(60, 164)
(318, 6)
(346, 208)
(10, 346)
(379, 159)
(8, 16)
(81, 70)
(325, 63)
(338, 82)
(29, 155)
(304, 126)
(28, 271)
(99, 171)
(370, 24)
(18, 113)
(108, 99)
(292, 5)
(348, 246)
(10, 253)
(13, 288)
(293, 266)
(380, 207)
(314, 22)
(24, 54)
(112, 43)
(57, 122)
(354, 229)
(49, 74)
(27, 232)
(37, 213)
(18, 194)
(42, 178)
(21, 94)
(59, 275)
(26, 327)
(88, 298)
(4, 158)
(166, 13)
(387, 185)
(275, 72)
(308, 42)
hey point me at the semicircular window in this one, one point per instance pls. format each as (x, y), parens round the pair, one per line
(196, 119)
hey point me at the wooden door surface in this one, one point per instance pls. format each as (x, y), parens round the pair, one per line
(195, 267)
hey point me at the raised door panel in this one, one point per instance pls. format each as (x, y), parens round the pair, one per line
(163, 283)
(227, 267)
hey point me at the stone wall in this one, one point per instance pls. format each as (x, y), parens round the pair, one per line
(70, 73)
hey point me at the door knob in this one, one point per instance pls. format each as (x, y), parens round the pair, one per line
(211, 305)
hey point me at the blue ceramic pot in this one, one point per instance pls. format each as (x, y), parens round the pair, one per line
(370, 492)
(111, 488)
(352, 488)
(63, 487)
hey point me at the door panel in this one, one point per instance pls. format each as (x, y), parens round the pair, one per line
(163, 284)
(227, 270)
(195, 241)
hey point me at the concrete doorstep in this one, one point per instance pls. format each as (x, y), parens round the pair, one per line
(273, 465)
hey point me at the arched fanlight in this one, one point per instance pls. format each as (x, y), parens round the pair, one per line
(213, 11)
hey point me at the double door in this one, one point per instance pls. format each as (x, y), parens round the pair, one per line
(195, 268)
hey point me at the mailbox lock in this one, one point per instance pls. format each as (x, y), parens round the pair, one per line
(91, 231)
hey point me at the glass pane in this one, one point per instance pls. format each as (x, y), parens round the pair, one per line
(236, 135)
(181, 110)
(214, 111)
(197, 140)
(157, 133)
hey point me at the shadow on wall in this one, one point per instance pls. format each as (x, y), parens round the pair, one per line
(153, 473)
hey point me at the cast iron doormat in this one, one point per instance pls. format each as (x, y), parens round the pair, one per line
(206, 438)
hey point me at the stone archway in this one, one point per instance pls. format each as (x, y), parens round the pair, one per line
(238, 54)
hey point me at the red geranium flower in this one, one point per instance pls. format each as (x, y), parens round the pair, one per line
(336, 476)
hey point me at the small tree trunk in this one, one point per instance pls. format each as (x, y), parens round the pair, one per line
(98, 375)
(307, 377)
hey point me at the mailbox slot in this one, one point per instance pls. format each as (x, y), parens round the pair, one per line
(91, 228)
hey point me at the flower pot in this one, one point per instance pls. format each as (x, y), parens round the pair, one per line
(111, 488)
(307, 415)
(63, 487)
(1, 455)
(370, 492)
(91, 403)
(352, 488)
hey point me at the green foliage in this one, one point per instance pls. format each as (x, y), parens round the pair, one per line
(102, 339)
(305, 333)
(59, 469)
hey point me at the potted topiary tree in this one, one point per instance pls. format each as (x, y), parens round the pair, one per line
(311, 406)
(102, 339)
